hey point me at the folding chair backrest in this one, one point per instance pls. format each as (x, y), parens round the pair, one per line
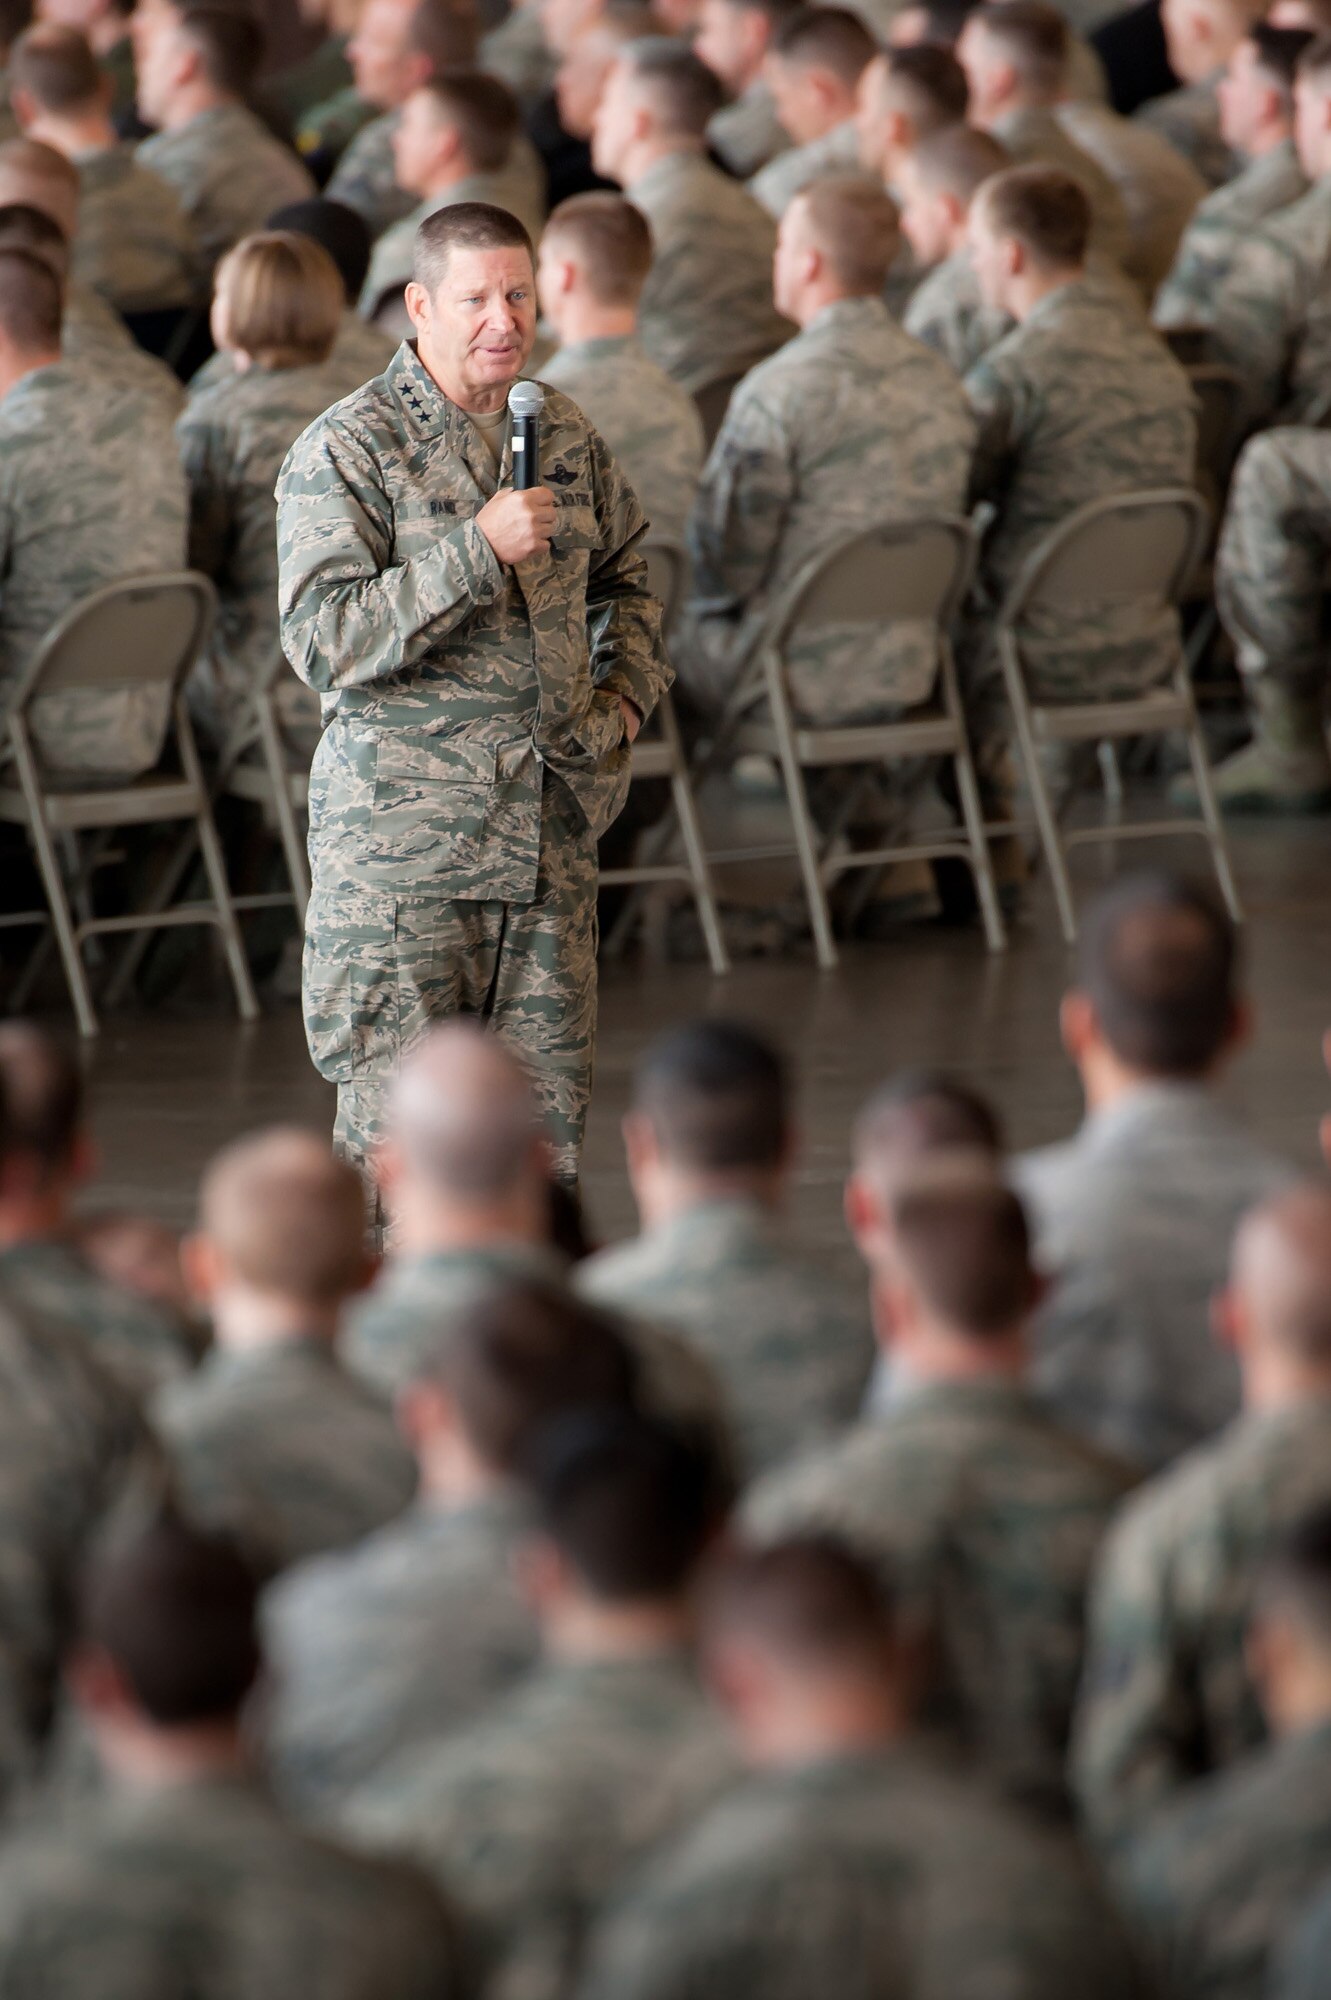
(904, 570)
(667, 567)
(1133, 548)
(1221, 403)
(144, 632)
(713, 400)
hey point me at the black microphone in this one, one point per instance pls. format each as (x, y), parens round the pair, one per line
(526, 400)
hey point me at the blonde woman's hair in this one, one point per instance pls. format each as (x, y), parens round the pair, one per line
(282, 299)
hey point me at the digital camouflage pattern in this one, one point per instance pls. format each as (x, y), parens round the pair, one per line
(365, 178)
(649, 422)
(947, 313)
(1159, 189)
(837, 152)
(380, 1649)
(509, 187)
(535, 1814)
(364, 351)
(1271, 567)
(285, 1449)
(1189, 119)
(1270, 317)
(1216, 1880)
(91, 492)
(747, 134)
(474, 749)
(1079, 402)
(880, 1876)
(706, 309)
(94, 335)
(202, 1887)
(1219, 229)
(137, 1342)
(1300, 1972)
(793, 1356)
(987, 1520)
(135, 244)
(229, 172)
(516, 52)
(1167, 1697)
(1134, 1219)
(1034, 136)
(851, 424)
(233, 439)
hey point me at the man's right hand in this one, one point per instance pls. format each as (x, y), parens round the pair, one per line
(518, 525)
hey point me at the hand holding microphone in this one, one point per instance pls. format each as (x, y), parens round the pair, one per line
(520, 521)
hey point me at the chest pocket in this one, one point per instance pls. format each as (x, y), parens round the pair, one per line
(431, 799)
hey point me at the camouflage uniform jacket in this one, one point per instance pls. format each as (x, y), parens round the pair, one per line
(794, 1356)
(1134, 1218)
(95, 336)
(516, 52)
(1167, 1697)
(837, 152)
(1159, 189)
(851, 424)
(229, 172)
(377, 1650)
(880, 1876)
(390, 264)
(324, 132)
(452, 682)
(1036, 137)
(366, 177)
(1217, 1878)
(134, 244)
(1190, 119)
(707, 306)
(1219, 229)
(361, 350)
(129, 1336)
(1301, 1963)
(947, 313)
(91, 492)
(988, 1520)
(285, 1449)
(650, 423)
(201, 1888)
(535, 1814)
(1078, 403)
(747, 134)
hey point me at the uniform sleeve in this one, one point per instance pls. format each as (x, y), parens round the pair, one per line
(350, 614)
(743, 505)
(991, 397)
(1255, 315)
(623, 618)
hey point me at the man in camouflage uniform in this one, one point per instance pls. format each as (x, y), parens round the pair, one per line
(850, 1860)
(385, 1648)
(814, 69)
(535, 1813)
(134, 243)
(1200, 37)
(195, 68)
(1257, 119)
(937, 182)
(454, 141)
(157, 1885)
(483, 681)
(733, 38)
(709, 1143)
(1159, 189)
(905, 96)
(596, 255)
(274, 1441)
(69, 438)
(984, 1515)
(1168, 1698)
(850, 424)
(517, 52)
(1215, 1879)
(706, 310)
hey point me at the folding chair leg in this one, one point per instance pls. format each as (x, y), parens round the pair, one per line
(806, 846)
(48, 864)
(1215, 829)
(1045, 817)
(136, 946)
(982, 865)
(246, 1003)
(686, 813)
(293, 847)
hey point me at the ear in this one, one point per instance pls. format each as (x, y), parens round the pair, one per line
(24, 107)
(734, 1674)
(448, 142)
(640, 1149)
(863, 1218)
(566, 276)
(953, 210)
(811, 265)
(200, 1267)
(95, 1682)
(418, 306)
(1076, 1023)
(1229, 1321)
(423, 1410)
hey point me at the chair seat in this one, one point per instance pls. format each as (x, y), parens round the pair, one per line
(924, 736)
(250, 780)
(133, 804)
(652, 760)
(1093, 721)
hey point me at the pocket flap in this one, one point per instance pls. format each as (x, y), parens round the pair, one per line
(440, 760)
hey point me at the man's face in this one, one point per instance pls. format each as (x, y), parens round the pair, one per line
(161, 58)
(871, 118)
(925, 216)
(1241, 94)
(417, 143)
(979, 58)
(580, 81)
(478, 329)
(989, 254)
(799, 104)
(726, 43)
(615, 124)
(383, 68)
(1189, 48)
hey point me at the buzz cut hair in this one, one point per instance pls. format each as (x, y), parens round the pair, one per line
(957, 161)
(445, 32)
(613, 243)
(482, 111)
(229, 43)
(682, 91)
(827, 38)
(1279, 52)
(32, 301)
(856, 227)
(466, 225)
(1046, 210)
(55, 66)
(1032, 36)
(929, 84)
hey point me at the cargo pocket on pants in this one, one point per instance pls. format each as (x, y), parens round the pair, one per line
(350, 986)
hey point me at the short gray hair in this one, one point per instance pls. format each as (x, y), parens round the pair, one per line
(465, 225)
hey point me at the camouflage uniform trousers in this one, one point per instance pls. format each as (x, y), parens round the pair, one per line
(1275, 551)
(380, 970)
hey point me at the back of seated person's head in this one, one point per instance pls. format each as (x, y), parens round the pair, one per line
(916, 1114)
(37, 176)
(52, 69)
(626, 1503)
(335, 228)
(600, 243)
(591, 54)
(930, 21)
(1042, 209)
(480, 111)
(462, 1127)
(445, 34)
(521, 1355)
(814, 68)
(939, 179)
(961, 1269)
(227, 44)
(43, 1142)
(278, 298)
(23, 227)
(1027, 39)
(167, 1625)
(674, 86)
(281, 1219)
(854, 228)
(1157, 980)
(1289, 1641)
(734, 35)
(926, 84)
(711, 1105)
(1275, 1311)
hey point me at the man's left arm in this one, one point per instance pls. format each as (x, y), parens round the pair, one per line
(623, 618)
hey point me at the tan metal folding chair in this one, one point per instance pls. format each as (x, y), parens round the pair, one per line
(1223, 420)
(258, 767)
(145, 632)
(713, 400)
(916, 571)
(659, 753)
(1136, 548)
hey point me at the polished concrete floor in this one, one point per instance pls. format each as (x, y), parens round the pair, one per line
(171, 1084)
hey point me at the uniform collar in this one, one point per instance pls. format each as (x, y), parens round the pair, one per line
(432, 414)
(601, 348)
(665, 172)
(850, 313)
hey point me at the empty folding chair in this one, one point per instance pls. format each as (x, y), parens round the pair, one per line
(144, 633)
(1136, 548)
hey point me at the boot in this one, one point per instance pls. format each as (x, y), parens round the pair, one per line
(1286, 769)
